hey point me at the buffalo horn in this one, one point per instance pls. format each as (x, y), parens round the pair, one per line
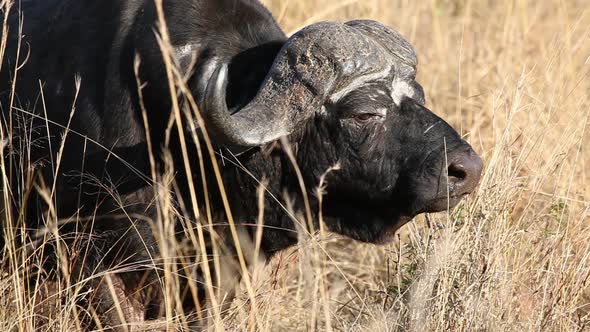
(319, 62)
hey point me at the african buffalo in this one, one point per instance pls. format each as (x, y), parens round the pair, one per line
(85, 72)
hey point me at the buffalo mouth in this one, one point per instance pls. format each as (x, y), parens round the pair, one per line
(364, 220)
(376, 221)
(440, 204)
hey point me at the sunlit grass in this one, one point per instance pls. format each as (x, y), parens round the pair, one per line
(512, 77)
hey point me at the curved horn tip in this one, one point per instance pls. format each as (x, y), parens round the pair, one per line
(249, 127)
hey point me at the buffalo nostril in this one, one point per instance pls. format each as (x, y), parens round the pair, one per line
(464, 172)
(456, 172)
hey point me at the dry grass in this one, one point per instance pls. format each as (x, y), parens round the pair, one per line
(513, 76)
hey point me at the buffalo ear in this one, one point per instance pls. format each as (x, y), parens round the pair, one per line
(420, 97)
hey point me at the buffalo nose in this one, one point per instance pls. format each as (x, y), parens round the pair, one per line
(464, 172)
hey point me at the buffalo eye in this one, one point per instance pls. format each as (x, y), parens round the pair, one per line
(364, 118)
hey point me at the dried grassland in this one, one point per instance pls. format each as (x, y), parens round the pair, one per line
(513, 77)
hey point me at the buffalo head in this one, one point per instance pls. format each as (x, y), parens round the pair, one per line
(347, 95)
